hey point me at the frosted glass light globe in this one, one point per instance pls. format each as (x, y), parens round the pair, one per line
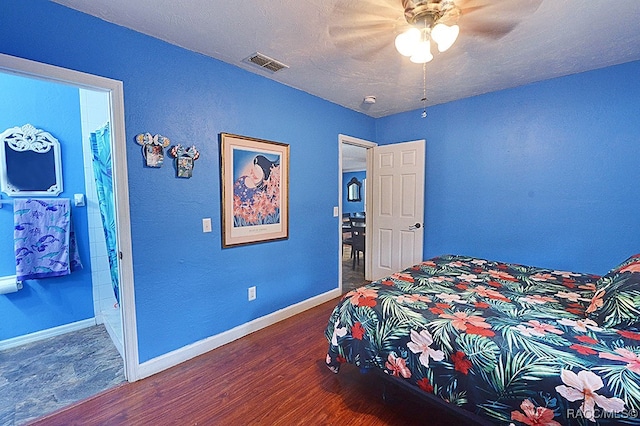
(422, 53)
(407, 41)
(444, 36)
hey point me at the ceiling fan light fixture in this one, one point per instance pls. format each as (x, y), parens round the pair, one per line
(422, 54)
(444, 35)
(407, 42)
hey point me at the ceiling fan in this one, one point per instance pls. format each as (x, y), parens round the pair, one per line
(365, 27)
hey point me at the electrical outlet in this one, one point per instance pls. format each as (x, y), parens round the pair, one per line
(252, 293)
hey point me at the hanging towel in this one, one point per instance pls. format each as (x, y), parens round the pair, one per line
(44, 239)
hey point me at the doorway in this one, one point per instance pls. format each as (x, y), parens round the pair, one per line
(95, 113)
(101, 102)
(353, 208)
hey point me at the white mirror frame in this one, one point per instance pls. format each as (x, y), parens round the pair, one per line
(28, 138)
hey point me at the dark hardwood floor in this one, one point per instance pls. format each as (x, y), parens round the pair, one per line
(275, 376)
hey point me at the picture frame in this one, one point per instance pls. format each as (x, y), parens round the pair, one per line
(185, 167)
(185, 159)
(255, 190)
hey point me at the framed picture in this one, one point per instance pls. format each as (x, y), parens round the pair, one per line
(185, 167)
(154, 155)
(255, 190)
(185, 157)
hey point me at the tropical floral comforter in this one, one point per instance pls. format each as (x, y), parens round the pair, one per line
(508, 342)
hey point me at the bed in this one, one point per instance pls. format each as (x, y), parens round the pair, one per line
(507, 343)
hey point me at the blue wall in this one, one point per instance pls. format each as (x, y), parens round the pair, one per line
(51, 302)
(187, 287)
(352, 206)
(546, 174)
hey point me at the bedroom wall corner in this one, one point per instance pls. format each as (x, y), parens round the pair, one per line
(544, 174)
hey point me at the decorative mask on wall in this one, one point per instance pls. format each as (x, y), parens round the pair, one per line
(153, 148)
(185, 157)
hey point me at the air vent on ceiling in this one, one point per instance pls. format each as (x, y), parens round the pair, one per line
(265, 62)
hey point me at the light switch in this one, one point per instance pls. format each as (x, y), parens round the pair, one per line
(78, 200)
(335, 211)
(206, 224)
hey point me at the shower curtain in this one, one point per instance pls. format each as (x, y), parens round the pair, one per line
(101, 149)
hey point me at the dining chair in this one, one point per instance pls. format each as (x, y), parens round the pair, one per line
(346, 231)
(357, 239)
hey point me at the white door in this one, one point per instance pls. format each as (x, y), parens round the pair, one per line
(394, 226)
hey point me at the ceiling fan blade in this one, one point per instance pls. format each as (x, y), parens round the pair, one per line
(362, 28)
(471, 9)
(355, 10)
(363, 47)
(370, 52)
(493, 30)
(356, 37)
(494, 18)
(511, 8)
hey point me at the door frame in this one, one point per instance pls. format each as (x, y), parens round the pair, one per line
(32, 69)
(350, 140)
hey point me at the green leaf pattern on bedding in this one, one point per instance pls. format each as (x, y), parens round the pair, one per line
(511, 343)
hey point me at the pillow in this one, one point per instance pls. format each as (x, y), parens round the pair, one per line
(616, 302)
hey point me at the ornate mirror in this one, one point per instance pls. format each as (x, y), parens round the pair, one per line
(353, 190)
(30, 162)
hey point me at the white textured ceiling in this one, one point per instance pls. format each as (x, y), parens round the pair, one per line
(553, 38)
(354, 158)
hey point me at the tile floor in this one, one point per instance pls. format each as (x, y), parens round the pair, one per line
(41, 377)
(352, 278)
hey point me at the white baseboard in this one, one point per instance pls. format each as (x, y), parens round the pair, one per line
(185, 353)
(116, 337)
(44, 334)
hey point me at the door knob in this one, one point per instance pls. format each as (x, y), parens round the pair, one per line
(416, 226)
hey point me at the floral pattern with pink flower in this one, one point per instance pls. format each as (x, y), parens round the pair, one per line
(536, 328)
(461, 320)
(625, 355)
(413, 298)
(421, 344)
(634, 267)
(596, 302)
(583, 387)
(397, 366)
(537, 299)
(362, 296)
(489, 293)
(581, 325)
(569, 295)
(505, 347)
(533, 415)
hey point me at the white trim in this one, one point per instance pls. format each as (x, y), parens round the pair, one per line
(368, 188)
(45, 334)
(185, 353)
(121, 195)
(24, 67)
